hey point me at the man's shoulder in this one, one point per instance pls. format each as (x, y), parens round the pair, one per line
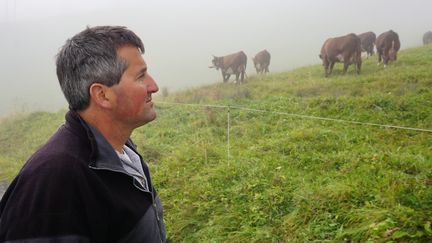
(63, 152)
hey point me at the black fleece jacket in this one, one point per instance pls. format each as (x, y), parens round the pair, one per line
(74, 189)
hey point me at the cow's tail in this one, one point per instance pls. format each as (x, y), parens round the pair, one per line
(245, 69)
(396, 45)
(243, 75)
(242, 70)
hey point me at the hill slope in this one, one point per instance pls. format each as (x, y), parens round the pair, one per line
(287, 178)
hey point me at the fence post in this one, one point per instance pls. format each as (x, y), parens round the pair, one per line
(228, 135)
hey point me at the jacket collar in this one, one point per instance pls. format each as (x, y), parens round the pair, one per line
(102, 155)
(107, 157)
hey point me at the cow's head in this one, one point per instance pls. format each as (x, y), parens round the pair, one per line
(255, 62)
(217, 62)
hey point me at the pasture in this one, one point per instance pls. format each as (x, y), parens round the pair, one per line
(287, 178)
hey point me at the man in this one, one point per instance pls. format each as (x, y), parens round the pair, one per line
(88, 183)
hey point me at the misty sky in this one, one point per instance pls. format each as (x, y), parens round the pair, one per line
(181, 36)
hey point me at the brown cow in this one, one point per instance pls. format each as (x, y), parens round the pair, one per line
(387, 45)
(262, 61)
(427, 38)
(367, 41)
(344, 49)
(231, 64)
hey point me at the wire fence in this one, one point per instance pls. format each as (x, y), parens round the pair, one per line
(230, 107)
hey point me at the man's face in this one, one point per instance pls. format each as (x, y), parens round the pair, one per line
(133, 101)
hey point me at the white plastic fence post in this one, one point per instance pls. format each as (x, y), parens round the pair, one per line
(228, 135)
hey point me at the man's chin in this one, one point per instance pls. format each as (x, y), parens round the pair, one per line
(150, 117)
(154, 117)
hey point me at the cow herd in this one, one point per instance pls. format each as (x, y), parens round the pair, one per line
(427, 38)
(345, 49)
(235, 63)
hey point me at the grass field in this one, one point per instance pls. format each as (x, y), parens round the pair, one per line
(288, 178)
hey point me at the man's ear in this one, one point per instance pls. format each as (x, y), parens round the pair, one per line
(101, 95)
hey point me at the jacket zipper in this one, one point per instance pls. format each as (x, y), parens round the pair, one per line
(151, 192)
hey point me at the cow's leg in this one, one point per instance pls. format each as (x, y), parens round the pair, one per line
(359, 63)
(328, 68)
(379, 52)
(225, 77)
(237, 77)
(326, 65)
(371, 50)
(386, 57)
(347, 59)
(345, 68)
(242, 76)
(331, 68)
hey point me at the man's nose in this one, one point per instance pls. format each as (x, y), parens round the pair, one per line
(153, 87)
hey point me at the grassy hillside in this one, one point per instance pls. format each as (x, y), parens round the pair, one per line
(288, 179)
(21, 135)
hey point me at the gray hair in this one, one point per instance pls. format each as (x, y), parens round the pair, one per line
(91, 57)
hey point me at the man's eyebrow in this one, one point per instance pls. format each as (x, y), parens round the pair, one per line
(141, 71)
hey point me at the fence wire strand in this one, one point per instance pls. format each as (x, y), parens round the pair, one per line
(298, 116)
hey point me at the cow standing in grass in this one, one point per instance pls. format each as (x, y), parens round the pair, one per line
(345, 49)
(387, 45)
(262, 61)
(427, 38)
(231, 64)
(367, 42)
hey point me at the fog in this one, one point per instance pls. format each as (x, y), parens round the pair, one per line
(180, 37)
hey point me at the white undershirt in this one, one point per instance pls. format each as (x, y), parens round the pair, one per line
(132, 164)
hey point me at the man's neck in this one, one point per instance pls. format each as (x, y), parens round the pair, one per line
(114, 133)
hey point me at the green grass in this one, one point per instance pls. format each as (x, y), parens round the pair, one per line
(288, 179)
(21, 135)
